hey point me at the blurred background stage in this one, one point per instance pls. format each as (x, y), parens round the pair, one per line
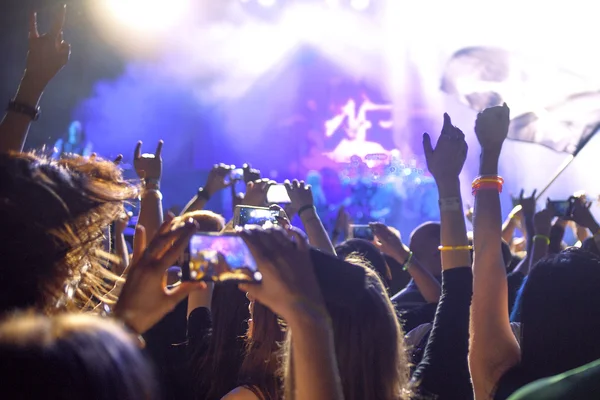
(336, 92)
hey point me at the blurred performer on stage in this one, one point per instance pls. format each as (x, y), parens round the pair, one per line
(356, 126)
(74, 143)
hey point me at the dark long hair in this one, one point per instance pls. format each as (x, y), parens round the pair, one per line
(54, 215)
(259, 372)
(72, 357)
(216, 371)
(559, 306)
(369, 344)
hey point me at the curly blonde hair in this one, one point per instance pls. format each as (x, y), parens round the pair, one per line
(55, 215)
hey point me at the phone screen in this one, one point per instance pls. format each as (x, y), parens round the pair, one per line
(361, 232)
(561, 208)
(254, 216)
(220, 258)
(278, 194)
(235, 175)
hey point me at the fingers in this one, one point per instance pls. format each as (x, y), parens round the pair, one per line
(33, 29)
(166, 225)
(137, 154)
(59, 23)
(118, 160)
(521, 194)
(447, 123)
(533, 194)
(427, 147)
(180, 239)
(299, 238)
(253, 243)
(159, 149)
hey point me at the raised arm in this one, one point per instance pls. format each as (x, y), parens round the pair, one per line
(583, 217)
(493, 347)
(149, 169)
(444, 371)
(302, 200)
(542, 222)
(121, 244)
(215, 182)
(48, 54)
(528, 207)
(512, 223)
(392, 245)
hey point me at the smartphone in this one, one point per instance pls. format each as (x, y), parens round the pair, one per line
(260, 216)
(277, 194)
(361, 232)
(563, 208)
(235, 175)
(219, 257)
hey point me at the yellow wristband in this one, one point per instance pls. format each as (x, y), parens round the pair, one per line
(455, 248)
(543, 237)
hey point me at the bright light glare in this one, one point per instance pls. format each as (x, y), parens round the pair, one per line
(153, 15)
(360, 5)
(266, 3)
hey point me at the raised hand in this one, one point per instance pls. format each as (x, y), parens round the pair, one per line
(283, 219)
(527, 205)
(446, 161)
(122, 223)
(48, 53)
(289, 280)
(389, 243)
(300, 193)
(144, 299)
(148, 166)
(491, 127)
(256, 193)
(250, 174)
(217, 178)
(582, 215)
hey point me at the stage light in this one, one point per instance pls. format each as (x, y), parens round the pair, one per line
(360, 5)
(148, 15)
(332, 3)
(267, 3)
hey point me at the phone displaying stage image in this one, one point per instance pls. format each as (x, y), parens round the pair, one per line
(220, 258)
(562, 208)
(361, 232)
(258, 216)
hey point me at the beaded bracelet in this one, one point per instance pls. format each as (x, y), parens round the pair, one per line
(455, 248)
(487, 182)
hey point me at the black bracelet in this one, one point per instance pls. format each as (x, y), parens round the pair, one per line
(25, 109)
(306, 207)
(203, 194)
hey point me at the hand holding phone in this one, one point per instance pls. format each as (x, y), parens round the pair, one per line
(562, 208)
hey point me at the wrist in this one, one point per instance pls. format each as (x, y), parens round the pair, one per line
(489, 161)
(304, 312)
(449, 188)
(306, 211)
(30, 91)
